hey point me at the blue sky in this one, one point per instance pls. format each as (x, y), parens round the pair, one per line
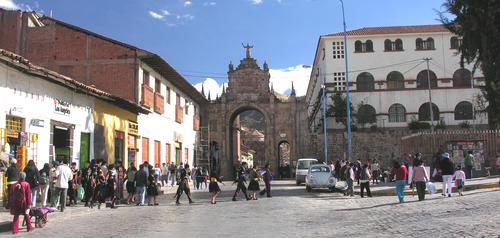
(200, 37)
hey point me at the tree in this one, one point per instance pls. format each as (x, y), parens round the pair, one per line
(478, 23)
(338, 109)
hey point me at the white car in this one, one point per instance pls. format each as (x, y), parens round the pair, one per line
(303, 168)
(320, 176)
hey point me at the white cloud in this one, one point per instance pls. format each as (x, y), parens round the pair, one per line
(9, 4)
(256, 2)
(282, 79)
(165, 13)
(212, 86)
(188, 3)
(206, 4)
(156, 15)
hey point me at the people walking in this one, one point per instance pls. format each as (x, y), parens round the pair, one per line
(12, 175)
(72, 185)
(253, 186)
(375, 171)
(213, 187)
(111, 185)
(32, 177)
(198, 177)
(469, 164)
(460, 177)
(164, 174)
(130, 185)
(152, 189)
(141, 180)
(20, 202)
(43, 182)
(364, 181)
(420, 178)
(350, 177)
(447, 170)
(183, 185)
(172, 169)
(400, 172)
(240, 184)
(267, 175)
(63, 174)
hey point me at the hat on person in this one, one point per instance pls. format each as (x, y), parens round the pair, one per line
(13, 161)
(445, 155)
(22, 175)
(56, 163)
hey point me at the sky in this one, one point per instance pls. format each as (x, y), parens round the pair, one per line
(199, 38)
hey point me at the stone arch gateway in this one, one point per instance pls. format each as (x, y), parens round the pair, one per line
(285, 117)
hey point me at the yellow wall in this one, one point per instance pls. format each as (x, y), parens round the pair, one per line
(113, 118)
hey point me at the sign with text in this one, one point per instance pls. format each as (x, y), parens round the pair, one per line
(61, 107)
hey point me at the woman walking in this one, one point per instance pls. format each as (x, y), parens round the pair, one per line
(111, 186)
(32, 177)
(253, 186)
(240, 181)
(183, 185)
(20, 202)
(152, 188)
(401, 173)
(420, 178)
(131, 183)
(213, 187)
(44, 183)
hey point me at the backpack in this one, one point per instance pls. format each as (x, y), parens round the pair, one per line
(43, 179)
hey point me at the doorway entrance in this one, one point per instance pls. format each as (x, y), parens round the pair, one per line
(84, 149)
(62, 140)
(284, 169)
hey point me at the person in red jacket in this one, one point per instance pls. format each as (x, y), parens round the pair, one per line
(400, 172)
(20, 198)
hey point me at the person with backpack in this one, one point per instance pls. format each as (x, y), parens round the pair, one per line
(32, 177)
(43, 182)
(364, 181)
(20, 202)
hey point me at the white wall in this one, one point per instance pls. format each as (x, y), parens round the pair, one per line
(33, 98)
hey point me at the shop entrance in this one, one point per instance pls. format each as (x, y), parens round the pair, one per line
(62, 140)
(84, 149)
(14, 127)
(119, 145)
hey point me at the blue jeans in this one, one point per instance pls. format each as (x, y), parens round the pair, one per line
(141, 194)
(400, 188)
(33, 196)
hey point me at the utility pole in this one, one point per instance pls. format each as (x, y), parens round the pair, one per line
(431, 112)
(323, 88)
(348, 104)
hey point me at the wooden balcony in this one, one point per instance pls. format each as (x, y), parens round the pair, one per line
(159, 103)
(179, 114)
(147, 98)
(196, 123)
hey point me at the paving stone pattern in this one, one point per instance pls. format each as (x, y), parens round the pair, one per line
(291, 212)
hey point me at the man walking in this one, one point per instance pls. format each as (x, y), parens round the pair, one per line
(141, 179)
(469, 163)
(172, 170)
(63, 175)
(164, 174)
(267, 180)
(447, 170)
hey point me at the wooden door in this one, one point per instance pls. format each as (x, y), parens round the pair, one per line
(157, 152)
(167, 153)
(145, 149)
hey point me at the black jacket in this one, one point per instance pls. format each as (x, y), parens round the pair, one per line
(447, 167)
(12, 173)
(141, 178)
(32, 176)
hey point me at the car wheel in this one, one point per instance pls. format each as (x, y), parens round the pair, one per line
(308, 189)
(297, 183)
(332, 189)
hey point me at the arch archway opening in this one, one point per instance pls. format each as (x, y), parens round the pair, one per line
(284, 166)
(247, 142)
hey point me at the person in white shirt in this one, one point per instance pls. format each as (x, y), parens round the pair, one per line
(459, 177)
(64, 175)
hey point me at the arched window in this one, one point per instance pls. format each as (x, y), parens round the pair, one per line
(462, 78)
(430, 44)
(397, 113)
(425, 115)
(365, 82)
(463, 111)
(399, 44)
(358, 46)
(395, 80)
(419, 44)
(454, 43)
(387, 45)
(369, 46)
(422, 81)
(366, 114)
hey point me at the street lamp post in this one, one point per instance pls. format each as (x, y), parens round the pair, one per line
(348, 104)
(324, 118)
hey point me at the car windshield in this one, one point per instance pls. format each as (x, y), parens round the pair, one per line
(320, 169)
(305, 164)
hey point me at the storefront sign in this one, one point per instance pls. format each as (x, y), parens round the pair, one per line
(61, 107)
(133, 128)
(37, 122)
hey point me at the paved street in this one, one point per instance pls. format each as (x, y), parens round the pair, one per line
(290, 213)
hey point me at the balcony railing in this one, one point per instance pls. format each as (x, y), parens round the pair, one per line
(159, 103)
(147, 98)
(196, 123)
(179, 114)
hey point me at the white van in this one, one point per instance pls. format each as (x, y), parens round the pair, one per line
(302, 169)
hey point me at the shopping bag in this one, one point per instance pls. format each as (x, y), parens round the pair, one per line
(431, 187)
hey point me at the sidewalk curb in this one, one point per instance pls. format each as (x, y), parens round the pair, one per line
(391, 192)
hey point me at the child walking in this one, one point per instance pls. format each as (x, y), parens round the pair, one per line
(459, 178)
(213, 187)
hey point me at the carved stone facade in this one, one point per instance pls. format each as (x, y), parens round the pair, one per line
(248, 89)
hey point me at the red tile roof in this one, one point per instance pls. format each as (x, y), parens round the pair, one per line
(386, 30)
